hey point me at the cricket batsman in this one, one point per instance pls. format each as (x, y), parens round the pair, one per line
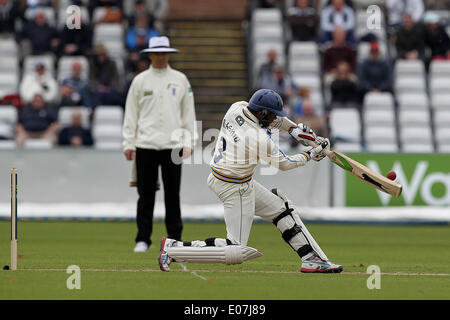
(244, 139)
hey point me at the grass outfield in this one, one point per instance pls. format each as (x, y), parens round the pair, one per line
(414, 263)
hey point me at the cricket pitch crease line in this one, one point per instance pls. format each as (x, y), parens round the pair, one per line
(194, 272)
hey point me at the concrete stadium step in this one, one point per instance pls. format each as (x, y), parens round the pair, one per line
(213, 57)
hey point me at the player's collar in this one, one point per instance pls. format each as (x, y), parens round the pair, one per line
(249, 115)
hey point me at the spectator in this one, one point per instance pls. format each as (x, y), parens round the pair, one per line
(140, 29)
(43, 37)
(397, 9)
(38, 121)
(279, 82)
(375, 73)
(436, 38)
(310, 117)
(344, 89)
(140, 8)
(337, 14)
(159, 10)
(136, 67)
(104, 78)
(39, 3)
(304, 93)
(76, 41)
(409, 40)
(337, 52)
(112, 13)
(40, 82)
(69, 94)
(265, 70)
(81, 86)
(9, 11)
(303, 20)
(75, 135)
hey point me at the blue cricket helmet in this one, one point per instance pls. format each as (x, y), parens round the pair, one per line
(266, 99)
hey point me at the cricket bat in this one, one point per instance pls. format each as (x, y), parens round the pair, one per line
(353, 167)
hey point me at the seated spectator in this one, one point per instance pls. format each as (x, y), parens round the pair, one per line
(303, 20)
(113, 10)
(375, 73)
(140, 65)
(75, 135)
(140, 29)
(69, 94)
(436, 38)
(76, 42)
(81, 86)
(40, 82)
(159, 9)
(279, 82)
(266, 68)
(39, 3)
(140, 8)
(104, 78)
(338, 51)
(304, 93)
(43, 37)
(396, 9)
(38, 121)
(9, 11)
(344, 89)
(310, 117)
(409, 39)
(337, 14)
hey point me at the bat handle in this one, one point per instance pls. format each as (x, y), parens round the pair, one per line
(324, 145)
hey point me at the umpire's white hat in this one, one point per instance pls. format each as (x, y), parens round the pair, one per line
(159, 44)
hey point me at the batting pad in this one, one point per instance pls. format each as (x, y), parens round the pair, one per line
(232, 254)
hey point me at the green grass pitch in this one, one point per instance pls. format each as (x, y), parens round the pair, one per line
(414, 263)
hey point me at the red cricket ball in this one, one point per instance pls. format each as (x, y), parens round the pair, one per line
(391, 175)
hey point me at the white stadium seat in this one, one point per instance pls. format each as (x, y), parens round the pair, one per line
(8, 120)
(266, 16)
(409, 84)
(440, 101)
(47, 60)
(8, 48)
(37, 144)
(413, 101)
(373, 117)
(411, 118)
(108, 115)
(384, 135)
(407, 68)
(418, 135)
(303, 50)
(378, 101)
(345, 125)
(382, 147)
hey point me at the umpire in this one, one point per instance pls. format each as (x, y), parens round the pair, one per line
(159, 129)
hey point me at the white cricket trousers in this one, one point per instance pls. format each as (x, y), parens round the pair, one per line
(241, 203)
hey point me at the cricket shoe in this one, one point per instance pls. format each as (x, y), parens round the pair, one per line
(141, 246)
(164, 260)
(317, 265)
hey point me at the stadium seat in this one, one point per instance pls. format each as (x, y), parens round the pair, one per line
(439, 69)
(382, 147)
(442, 135)
(409, 84)
(380, 135)
(408, 68)
(9, 64)
(348, 147)
(107, 134)
(345, 125)
(304, 67)
(382, 117)
(299, 50)
(108, 115)
(104, 32)
(9, 83)
(37, 144)
(310, 81)
(418, 147)
(262, 33)
(439, 85)
(416, 135)
(7, 144)
(266, 16)
(443, 148)
(8, 120)
(412, 118)
(440, 101)
(65, 116)
(378, 101)
(65, 66)
(413, 101)
(8, 48)
(441, 118)
(47, 60)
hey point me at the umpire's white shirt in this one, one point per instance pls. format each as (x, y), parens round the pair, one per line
(159, 111)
